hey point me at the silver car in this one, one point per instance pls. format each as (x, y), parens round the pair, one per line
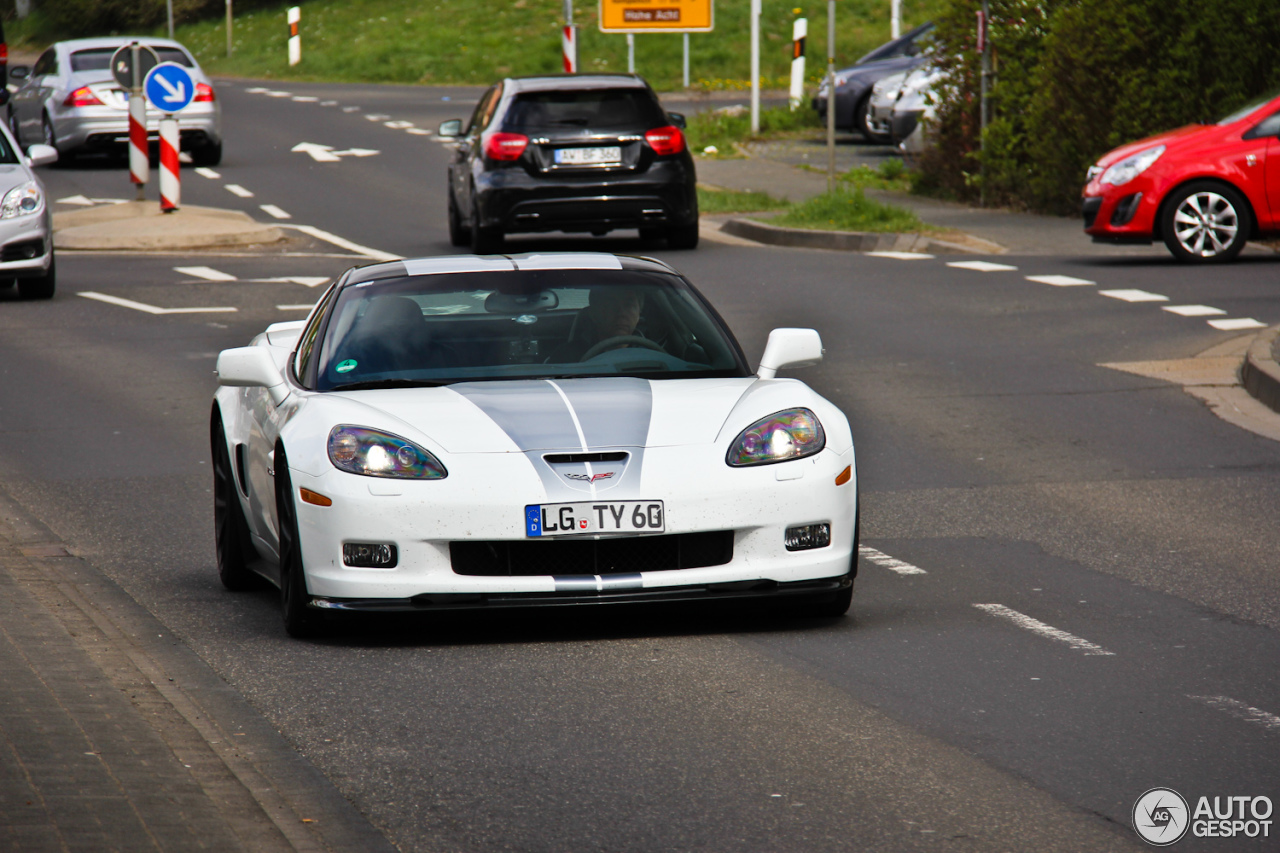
(70, 101)
(884, 95)
(26, 226)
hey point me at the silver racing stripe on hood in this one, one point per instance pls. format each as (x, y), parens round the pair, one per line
(572, 415)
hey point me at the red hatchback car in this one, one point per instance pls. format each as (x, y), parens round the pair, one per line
(1203, 189)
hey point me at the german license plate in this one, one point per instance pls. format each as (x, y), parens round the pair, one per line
(588, 156)
(594, 517)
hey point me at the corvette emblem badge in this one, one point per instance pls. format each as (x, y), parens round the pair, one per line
(590, 478)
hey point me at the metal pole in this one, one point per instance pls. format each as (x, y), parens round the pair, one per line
(169, 5)
(755, 66)
(228, 27)
(686, 60)
(895, 17)
(631, 53)
(831, 95)
(139, 162)
(984, 107)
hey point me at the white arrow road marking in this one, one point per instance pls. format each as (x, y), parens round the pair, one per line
(304, 280)
(1134, 295)
(236, 189)
(319, 153)
(893, 564)
(902, 256)
(294, 307)
(206, 273)
(206, 172)
(272, 210)
(176, 92)
(1060, 280)
(980, 266)
(1236, 325)
(357, 152)
(150, 309)
(1035, 626)
(1192, 310)
(343, 243)
(1241, 711)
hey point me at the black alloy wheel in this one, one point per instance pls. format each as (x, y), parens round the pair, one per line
(1206, 222)
(40, 286)
(300, 621)
(862, 122)
(231, 530)
(48, 138)
(459, 234)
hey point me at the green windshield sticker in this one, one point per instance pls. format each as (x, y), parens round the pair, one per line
(346, 366)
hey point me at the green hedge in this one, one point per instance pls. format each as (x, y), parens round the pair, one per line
(1079, 77)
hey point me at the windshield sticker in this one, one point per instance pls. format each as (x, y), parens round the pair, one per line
(346, 366)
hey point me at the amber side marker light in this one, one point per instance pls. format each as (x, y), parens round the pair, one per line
(844, 476)
(315, 498)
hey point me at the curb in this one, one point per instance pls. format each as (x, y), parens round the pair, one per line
(854, 241)
(1260, 373)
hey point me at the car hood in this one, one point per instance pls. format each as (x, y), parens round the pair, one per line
(12, 175)
(1170, 138)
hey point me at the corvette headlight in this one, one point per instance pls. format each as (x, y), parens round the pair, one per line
(22, 200)
(381, 454)
(789, 434)
(1130, 167)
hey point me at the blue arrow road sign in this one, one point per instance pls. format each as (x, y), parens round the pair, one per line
(169, 86)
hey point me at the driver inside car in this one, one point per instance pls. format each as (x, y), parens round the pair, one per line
(611, 313)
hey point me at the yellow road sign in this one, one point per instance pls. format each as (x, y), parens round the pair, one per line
(646, 16)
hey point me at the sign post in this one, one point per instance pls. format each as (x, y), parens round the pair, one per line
(295, 39)
(129, 66)
(831, 95)
(799, 33)
(755, 66)
(171, 88)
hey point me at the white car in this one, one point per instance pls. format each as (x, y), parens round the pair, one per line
(502, 431)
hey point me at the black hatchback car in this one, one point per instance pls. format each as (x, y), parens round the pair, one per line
(582, 153)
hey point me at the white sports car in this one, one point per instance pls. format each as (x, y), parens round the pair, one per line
(547, 429)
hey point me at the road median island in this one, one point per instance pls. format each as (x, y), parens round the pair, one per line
(858, 241)
(141, 226)
(1260, 372)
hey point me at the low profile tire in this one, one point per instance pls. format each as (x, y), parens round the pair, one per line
(683, 236)
(48, 138)
(862, 122)
(1206, 222)
(300, 620)
(484, 241)
(207, 155)
(231, 530)
(42, 286)
(459, 234)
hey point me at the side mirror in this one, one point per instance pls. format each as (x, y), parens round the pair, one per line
(251, 367)
(678, 120)
(451, 129)
(42, 155)
(19, 72)
(789, 348)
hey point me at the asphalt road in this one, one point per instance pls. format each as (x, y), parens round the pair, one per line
(1074, 593)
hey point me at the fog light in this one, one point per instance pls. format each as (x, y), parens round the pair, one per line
(363, 555)
(808, 536)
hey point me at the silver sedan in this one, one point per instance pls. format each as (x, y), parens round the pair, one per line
(70, 101)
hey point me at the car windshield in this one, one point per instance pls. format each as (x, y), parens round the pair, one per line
(590, 108)
(521, 324)
(1248, 108)
(99, 58)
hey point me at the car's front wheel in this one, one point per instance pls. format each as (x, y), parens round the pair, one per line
(862, 122)
(231, 530)
(1206, 222)
(299, 619)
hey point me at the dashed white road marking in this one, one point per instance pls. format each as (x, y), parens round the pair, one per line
(150, 309)
(305, 99)
(902, 256)
(1237, 324)
(1035, 626)
(328, 103)
(893, 564)
(236, 189)
(1241, 711)
(1192, 310)
(1060, 280)
(206, 273)
(417, 131)
(278, 94)
(89, 202)
(351, 109)
(273, 211)
(980, 266)
(398, 125)
(343, 243)
(295, 307)
(206, 172)
(257, 90)
(376, 117)
(304, 280)
(1134, 295)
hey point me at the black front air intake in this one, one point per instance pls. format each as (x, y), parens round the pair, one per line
(622, 555)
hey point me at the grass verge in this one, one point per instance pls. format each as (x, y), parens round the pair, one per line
(716, 200)
(843, 210)
(720, 129)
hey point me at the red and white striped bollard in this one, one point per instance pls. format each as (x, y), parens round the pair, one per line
(569, 38)
(139, 161)
(170, 183)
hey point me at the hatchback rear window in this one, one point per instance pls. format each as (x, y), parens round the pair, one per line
(99, 58)
(604, 109)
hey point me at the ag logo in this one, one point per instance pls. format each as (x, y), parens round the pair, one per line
(1161, 817)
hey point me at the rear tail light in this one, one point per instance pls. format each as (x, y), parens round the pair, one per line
(204, 92)
(82, 97)
(665, 140)
(4, 52)
(505, 146)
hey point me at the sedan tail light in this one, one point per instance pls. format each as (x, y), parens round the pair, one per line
(665, 140)
(204, 92)
(4, 52)
(82, 97)
(505, 146)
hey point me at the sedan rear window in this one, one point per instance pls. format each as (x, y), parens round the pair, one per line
(99, 58)
(605, 109)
